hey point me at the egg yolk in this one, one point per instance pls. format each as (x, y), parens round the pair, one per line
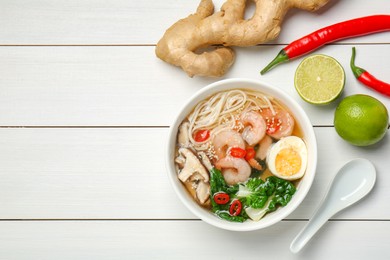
(288, 162)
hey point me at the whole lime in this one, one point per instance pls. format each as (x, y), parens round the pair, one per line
(361, 120)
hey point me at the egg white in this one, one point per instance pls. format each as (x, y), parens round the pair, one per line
(291, 142)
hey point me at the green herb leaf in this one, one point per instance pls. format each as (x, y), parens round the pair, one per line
(225, 215)
(253, 184)
(255, 194)
(256, 201)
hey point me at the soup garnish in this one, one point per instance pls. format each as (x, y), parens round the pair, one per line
(237, 152)
(255, 196)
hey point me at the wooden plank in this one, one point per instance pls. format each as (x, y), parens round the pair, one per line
(103, 86)
(144, 22)
(188, 240)
(106, 173)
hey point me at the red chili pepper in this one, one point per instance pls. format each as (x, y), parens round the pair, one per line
(202, 135)
(273, 125)
(367, 79)
(250, 153)
(221, 198)
(235, 208)
(237, 152)
(347, 29)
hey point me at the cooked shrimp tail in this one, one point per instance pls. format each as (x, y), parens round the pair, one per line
(255, 127)
(234, 170)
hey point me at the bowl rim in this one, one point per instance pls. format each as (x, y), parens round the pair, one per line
(268, 89)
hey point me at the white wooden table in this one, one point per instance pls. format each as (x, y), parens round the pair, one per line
(85, 108)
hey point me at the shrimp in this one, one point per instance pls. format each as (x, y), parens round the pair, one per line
(234, 170)
(280, 124)
(265, 144)
(255, 127)
(255, 164)
(226, 139)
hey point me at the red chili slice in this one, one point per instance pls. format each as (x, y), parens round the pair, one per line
(273, 125)
(202, 135)
(250, 153)
(221, 198)
(237, 152)
(235, 208)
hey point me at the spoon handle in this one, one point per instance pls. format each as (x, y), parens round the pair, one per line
(317, 221)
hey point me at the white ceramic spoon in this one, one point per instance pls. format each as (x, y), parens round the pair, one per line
(352, 182)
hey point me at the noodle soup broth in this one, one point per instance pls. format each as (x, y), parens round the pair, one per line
(241, 155)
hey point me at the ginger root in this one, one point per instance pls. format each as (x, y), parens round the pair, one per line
(182, 40)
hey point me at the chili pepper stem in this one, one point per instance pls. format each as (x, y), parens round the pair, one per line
(280, 58)
(357, 71)
(367, 79)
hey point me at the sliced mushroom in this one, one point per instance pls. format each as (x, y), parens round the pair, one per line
(203, 192)
(183, 136)
(205, 160)
(194, 175)
(192, 165)
(180, 161)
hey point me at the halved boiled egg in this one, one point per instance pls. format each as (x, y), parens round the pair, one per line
(287, 159)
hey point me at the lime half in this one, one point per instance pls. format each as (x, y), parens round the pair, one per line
(319, 79)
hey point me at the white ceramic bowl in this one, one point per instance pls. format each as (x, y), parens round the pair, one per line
(308, 135)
